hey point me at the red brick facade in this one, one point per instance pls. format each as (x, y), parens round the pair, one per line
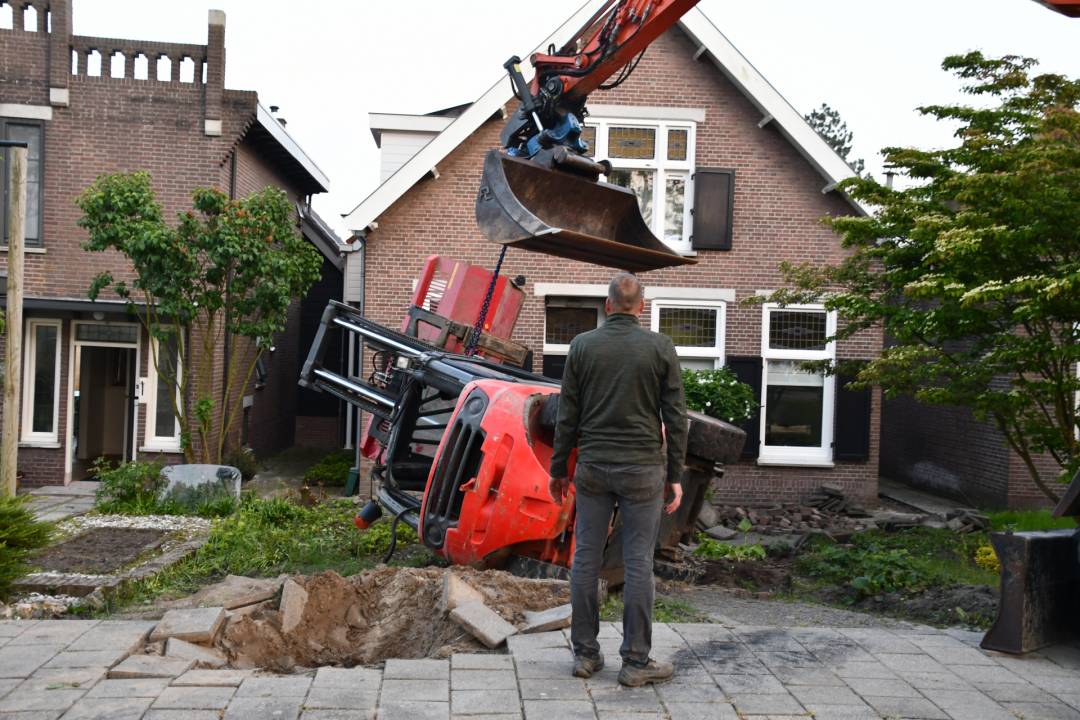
(186, 130)
(778, 206)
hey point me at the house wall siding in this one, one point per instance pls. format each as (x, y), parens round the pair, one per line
(778, 206)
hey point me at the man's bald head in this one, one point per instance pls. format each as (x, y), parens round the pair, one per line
(625, 294)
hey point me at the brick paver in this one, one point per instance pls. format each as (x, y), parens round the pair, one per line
(723, 673)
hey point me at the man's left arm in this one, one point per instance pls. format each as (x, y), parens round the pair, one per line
(673, 413)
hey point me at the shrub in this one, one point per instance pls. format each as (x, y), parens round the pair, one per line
(711, 549)
(376, 539)
(331, 470)
(129, 488)
(718, 393)
(244, 460)
(20, 536)
(987, 559)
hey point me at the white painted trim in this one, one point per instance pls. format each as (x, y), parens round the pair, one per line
(647, 112)
(460, 129)
(268, 121)
(689, 293)
(569, 289)
(137, 347)
(700, 29)
(59, 96)
(25, 112)
(757, 89)
(212, 128)
(151, 439)
(70, 420)
(30, 251)
(28, 436)
(408, 123)
(715, 353)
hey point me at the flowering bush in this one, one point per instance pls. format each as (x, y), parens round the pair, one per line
(718, 393)
(987, 559)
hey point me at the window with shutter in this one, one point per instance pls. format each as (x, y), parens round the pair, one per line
(714, 209)
(852, 442)
(748, 370)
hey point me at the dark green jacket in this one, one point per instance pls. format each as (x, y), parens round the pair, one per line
(620, 381)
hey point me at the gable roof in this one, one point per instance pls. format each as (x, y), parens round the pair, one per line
(710, 41)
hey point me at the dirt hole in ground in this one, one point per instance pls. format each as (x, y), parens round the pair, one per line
(383, 613)
(99, 550)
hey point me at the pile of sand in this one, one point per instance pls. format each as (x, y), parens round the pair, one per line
(383, 613)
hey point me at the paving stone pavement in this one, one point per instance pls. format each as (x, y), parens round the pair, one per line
(58, 669)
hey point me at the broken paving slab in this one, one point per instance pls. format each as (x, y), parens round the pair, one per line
(456, 592)
(483, 623)
(150, 666)
(555, 618)
(202, 656)
(197, 625)
(235, 591)
(294, 599)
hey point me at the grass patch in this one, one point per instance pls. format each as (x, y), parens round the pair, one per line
(906, 561)
(1025, 520)
(264, 538)
(133, 488)
(666, 610)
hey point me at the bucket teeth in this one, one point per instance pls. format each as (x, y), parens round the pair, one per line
(528, 206)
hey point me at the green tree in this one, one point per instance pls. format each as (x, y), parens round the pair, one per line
(974, 270)
(833, 130)
(217, 285)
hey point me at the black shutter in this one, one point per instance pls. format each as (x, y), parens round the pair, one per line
(714, 208)
(851, 438)
(554, 366)
(748, 370)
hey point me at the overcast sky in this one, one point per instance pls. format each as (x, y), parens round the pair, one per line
(328, 63)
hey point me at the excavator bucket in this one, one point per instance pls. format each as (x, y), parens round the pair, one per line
(526, 205)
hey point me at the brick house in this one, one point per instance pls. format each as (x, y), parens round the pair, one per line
(89, 106)
(700, 134)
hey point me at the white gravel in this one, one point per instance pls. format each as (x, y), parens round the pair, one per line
(142, 522)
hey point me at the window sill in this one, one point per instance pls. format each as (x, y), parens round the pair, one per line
(159, 449)
(43, 444)
(796, 462)
(27, 250)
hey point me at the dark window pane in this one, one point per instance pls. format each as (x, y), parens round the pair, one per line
(588, 134)
(563, 324)
(797, 330)
(689, 327)
(794, 402)
(633, 143)
(30, 134)
(676, 144)
(164, 417)
(45, 339)
(101, 332)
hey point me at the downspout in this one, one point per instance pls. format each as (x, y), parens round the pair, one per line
(225, 336)
(356, 348)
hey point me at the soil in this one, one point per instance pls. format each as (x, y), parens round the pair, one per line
(972, 605)
(771, 574)
(99, 550)
(388, 612)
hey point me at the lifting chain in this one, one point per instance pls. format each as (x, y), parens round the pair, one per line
(474, 338)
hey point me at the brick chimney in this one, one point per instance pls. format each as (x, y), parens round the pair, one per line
(59, 52)
(215, 72)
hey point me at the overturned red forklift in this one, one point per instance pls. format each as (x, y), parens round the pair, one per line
(461, 443)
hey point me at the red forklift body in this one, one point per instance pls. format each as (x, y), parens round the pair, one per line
(487, 495)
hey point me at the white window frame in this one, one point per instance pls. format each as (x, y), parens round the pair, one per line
(152, 442)
(29, 437)
(693, 352)
(659, 164)
(570, 301)
(787, 455)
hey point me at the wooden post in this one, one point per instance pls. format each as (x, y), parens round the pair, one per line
(9, 444)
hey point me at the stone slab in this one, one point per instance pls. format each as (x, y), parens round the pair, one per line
(293, 601)
(341, 698)
(394, 690)
(483, 702)
(456, 592)
(194, 698)
(414, 711)
(131, 708)
(150, 666)
(483, 680)
(87, 659)
(212, 678)
(20, 700)
(152, 714)
(21, 661)
(235, 591)
(197, 625)
(203, 657)
(416, 670)
(114, 635)
(54, 632)
(483, 623)
(357, 677)
(143, 687)
(340, 714)
(554, 618)
(906, 707)
(274, 686)
(562, 709)
(477, 661)
(261, 708)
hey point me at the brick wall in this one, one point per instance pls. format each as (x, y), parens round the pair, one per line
(778, 206)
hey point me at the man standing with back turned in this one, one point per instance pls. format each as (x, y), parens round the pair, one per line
(620, 381)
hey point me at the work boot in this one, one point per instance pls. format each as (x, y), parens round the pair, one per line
(633, 675)
(585, 666)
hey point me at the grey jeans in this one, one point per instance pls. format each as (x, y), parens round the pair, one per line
(638, 490)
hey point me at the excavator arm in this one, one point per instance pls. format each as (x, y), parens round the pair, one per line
(542, 192)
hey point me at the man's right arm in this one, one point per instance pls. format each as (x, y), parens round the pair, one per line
(566, 428)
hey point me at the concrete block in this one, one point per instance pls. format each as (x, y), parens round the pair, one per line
(261, 708)
(89, 659)
(236, 591)
(456, 592)
(293, 601)
(478, 661)
(212, 678)
(197, 625)
(203, 657)
(483, 680)
(483, 623)
(113, 635)
(719, 532)
(414, 691)
(63, 678)
(554, 618)
(483, 702)
(341, 698)
(143, 687)
(194, 698)
(274, 686)
(357, 677)
(416, 670)
(562, 709)
(130, 708)
(414, 711)
(150, 666)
